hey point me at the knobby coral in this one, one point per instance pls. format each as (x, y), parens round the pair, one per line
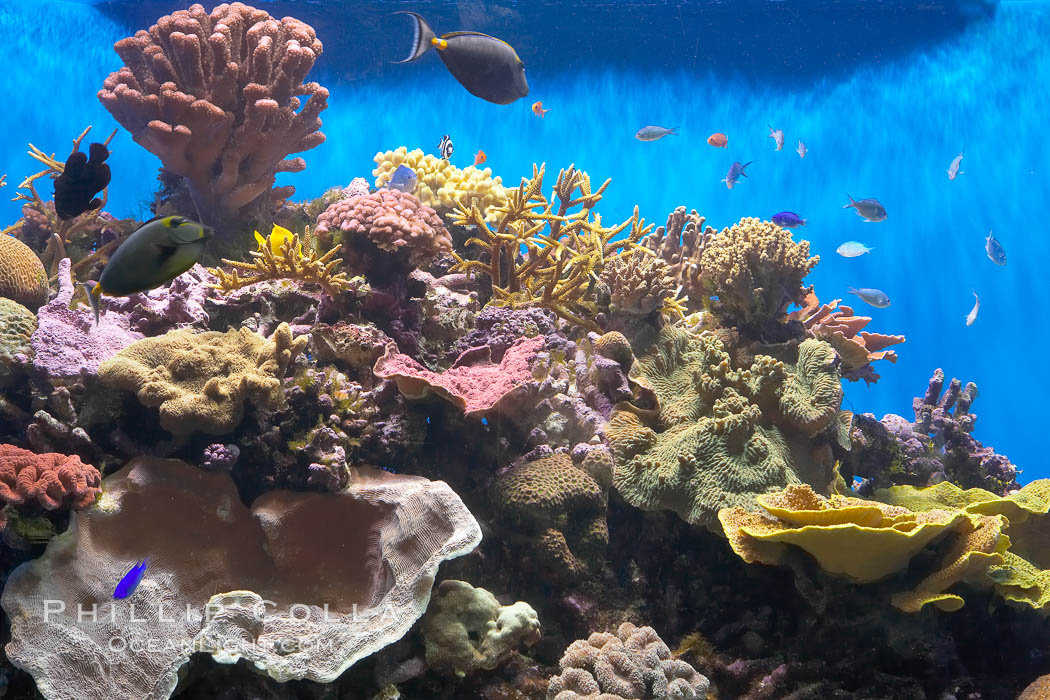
(216, 98)
(637, 283)
(442, 185)
(680, 243)
(52, 480)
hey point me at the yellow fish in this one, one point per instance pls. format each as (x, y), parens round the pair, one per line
(278, 235)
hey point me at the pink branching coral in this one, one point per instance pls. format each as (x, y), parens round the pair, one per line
(473, 382)
(216, 98)
(53, 480)
(394, 221)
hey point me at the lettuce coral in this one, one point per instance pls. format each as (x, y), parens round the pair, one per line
(723, 436)
(52, 480)
(442, 185)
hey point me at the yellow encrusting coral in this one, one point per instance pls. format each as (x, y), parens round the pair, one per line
(441, 185)
(565, 250)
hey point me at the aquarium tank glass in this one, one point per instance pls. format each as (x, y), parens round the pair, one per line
(524, 350)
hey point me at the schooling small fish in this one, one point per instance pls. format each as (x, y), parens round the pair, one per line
(736, 171)
(479, 158)
(131, 580)
(995, 250)
(445, 148)
(869, 209)
(778, 136)
(953, 169)
(852, 249)
(278, 235)
(81, 179)
(487, 67)
(972, 316)
(161, 250)
(538, 110)
(405, 178)
(654, 133)
(801, 150)
(718, 140)
(788, 219)
(876, 297)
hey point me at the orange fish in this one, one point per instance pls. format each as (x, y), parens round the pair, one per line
(479, 158)
(718, 140)
(538, 110)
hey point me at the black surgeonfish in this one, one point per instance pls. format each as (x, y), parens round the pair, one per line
(80, 181)
(487, 67)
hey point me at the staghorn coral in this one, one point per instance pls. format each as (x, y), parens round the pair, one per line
(200, 381)
(558, 509)
(441, 185)
(369, 554)
(217, 98)
(723, 436)
(939, 445)
(844, 331)
(680, 243)
(466, 629)
(565, 249)
(755, 270)
(866, 541)
(633, 663)
(393, 221)
(17, 324)
(51, 480)
(22, 275)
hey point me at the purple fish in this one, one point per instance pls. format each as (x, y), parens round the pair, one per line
(131, 580)
(788, 219)
(736, 171)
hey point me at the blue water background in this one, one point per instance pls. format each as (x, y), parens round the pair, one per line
(882, 113)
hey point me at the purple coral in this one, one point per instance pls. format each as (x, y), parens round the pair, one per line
(499, 327)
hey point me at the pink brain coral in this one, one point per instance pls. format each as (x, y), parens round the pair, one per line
(394, 221)
(53, 480)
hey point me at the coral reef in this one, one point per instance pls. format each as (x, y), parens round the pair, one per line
(633, 663)
(216, 98)
(722, 436)
(51, 480)
(937, 446)
(17, 324)
(22, 275)
(200, 381)
(441, 185)
(466, 628)
(369, 553)
(680, 243)
(637, 283)
(499, 327)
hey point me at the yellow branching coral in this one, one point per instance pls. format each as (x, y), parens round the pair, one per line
(281, 256)
(441, 185)
(564, 252)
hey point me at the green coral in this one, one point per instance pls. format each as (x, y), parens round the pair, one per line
(17, 324)
(723, 436)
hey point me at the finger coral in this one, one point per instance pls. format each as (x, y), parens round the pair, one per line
(723, 436)
(680, 243)
(633, 663)
(755, 271)
(200, 381)
(637, 283)
(441, 185)
(217, 98)
(22, 275)
(52, 480)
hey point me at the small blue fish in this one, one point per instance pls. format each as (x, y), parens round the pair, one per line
(654, 133)
(870, 209)
(852, 249)
(403, 179)
(876, 297)
(995, 250)
(788, 219)
(484, 421)
(736, 171)
(131, 580)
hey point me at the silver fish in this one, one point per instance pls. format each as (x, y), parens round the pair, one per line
(972, 316)
(852, 249)
(736, 171)
(445, 148)
(801, 150)
(876, 297)
(654, 133)
(777, 135)
(994, 249)
(953, 169)
(870, 209)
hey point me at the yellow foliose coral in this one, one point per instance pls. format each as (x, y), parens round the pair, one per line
(443, 186)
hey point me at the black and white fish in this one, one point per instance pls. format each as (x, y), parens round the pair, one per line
(445, 148)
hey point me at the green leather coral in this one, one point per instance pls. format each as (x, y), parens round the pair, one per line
(723, 436)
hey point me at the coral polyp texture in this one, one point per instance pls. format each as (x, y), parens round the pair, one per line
(50, 480)
(441, 185)
(633, 663)
(680, 243)
(200, 381)
(722, 436)
(17, 324)
(22, 275)
(216, 96)
(348, 572)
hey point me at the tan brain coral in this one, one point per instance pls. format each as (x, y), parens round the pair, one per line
(22, 275)
(200, 381)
